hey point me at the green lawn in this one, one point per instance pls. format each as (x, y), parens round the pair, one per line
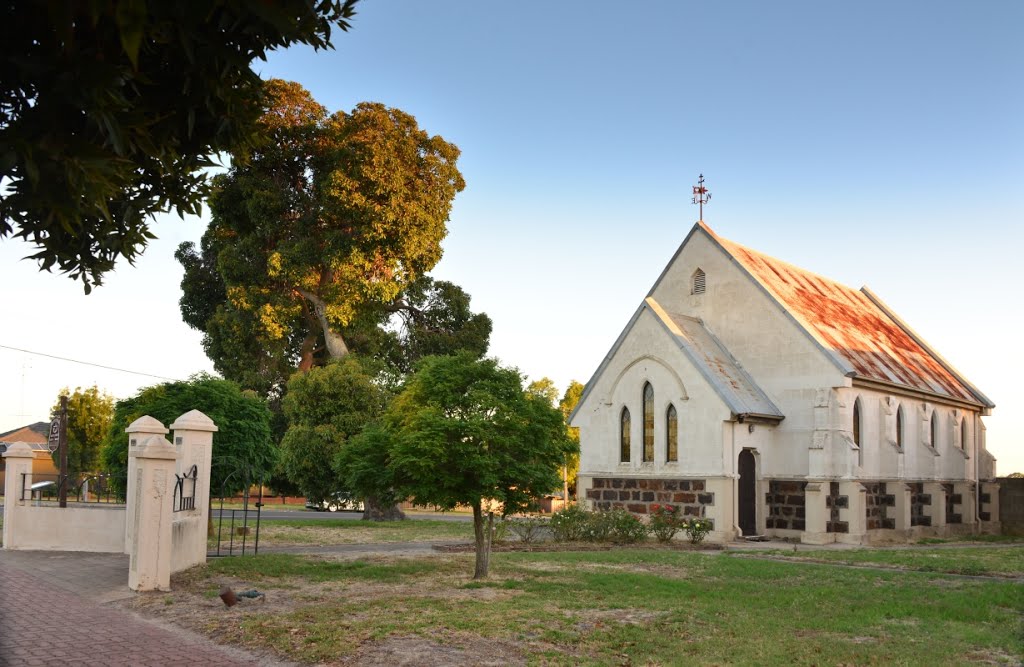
(627, 606)
(286, 532)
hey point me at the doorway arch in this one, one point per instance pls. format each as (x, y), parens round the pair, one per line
(747, 492)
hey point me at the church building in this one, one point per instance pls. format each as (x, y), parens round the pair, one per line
(779, 403)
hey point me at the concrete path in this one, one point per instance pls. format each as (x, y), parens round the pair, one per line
(52, 613)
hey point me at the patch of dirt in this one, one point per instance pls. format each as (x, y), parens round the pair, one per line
(590, 619)
(457, 651)
(548, 546)
(993, 657)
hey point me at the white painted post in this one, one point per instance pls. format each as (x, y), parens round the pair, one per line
(193, 437)
(902, 509)
(816, 514)
(150, 563)
(138, 431)
(19, 459)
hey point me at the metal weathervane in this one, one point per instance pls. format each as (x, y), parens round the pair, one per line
(701, 195)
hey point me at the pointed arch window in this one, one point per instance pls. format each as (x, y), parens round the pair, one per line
(698, 282)
(935, 429)
(648, 454)
(899, 427)
(671, 434)
(624, 424)
(963, 434)
(856, 432)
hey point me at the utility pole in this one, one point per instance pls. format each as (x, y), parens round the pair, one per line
(62, 486)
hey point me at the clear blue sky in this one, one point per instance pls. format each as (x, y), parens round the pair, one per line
(875, 143)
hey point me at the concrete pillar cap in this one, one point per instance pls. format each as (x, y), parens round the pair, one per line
(19, 450)
(155, 447)
(194, 420)
(146, 424)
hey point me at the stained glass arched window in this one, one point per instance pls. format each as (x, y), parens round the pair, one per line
(935, 429)
(671, 434)
(899, 427)
(856, 432)
(648, 454)
(624, 436)
(963, 434)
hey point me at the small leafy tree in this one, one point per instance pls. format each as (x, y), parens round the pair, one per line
(325, 408)
(572, 462)
(242, 418)
(90, 413)
(464, 432)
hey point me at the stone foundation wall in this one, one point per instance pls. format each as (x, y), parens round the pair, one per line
(637, 495)
(786, 505)
(918, 500)
(877, 502)
(834, 502)
(952, 499)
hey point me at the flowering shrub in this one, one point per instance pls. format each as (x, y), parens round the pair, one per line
(527, 528)
(665, 522)
(625, 527)
(570, 524)
(698, 529)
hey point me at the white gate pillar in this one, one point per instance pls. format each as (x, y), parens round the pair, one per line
(17, 479)
(138, 431)
(193, 438)
(150, 509)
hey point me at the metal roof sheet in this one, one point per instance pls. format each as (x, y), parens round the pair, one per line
(719, 368)
(853, 326)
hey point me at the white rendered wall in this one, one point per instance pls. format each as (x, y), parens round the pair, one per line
(92, 528)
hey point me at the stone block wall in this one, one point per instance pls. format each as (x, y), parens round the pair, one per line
(952, 500)
(918, 500)
(834, 502)
(877, 502)
(786, 505)
(637, 495)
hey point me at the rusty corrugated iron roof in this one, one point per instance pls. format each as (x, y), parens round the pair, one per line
(853, 326)
(719, 368)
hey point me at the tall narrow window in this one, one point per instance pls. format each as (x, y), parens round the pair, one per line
(671, 434)
(935, 429)
(856, 432)
(624, 436)
(963, 434)
(697, 284)
(648, 422)
(899, 427)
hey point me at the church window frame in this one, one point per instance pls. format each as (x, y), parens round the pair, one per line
(647, 455)
(698, 282)
(935, 430)
(963, 434)
(671, 434)
(625, 423)
(857, 430)
(900, 426)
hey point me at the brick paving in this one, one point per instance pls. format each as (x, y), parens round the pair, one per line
(50, 623)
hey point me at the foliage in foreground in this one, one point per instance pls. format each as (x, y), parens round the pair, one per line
(110, 110)
(636, 607)
(242, 419)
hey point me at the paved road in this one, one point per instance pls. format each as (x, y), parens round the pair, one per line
(51, 614)
(304, 515)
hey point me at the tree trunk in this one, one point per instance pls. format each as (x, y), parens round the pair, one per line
(374, 511)
(483, 534)
(336, 346)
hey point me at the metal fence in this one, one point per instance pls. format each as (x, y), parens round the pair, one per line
(86, 488)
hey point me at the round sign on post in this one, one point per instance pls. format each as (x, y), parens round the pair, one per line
(53, 442)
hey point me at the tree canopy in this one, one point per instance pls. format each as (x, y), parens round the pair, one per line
(242, 441)
(90, 413)
(322, 239)
(463, 431)
(110, 110)
(567, 404)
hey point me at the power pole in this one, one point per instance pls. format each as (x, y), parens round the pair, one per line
(62, 487)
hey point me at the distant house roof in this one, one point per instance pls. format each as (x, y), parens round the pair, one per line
(733, 384)
(37, 433)
(863, 335)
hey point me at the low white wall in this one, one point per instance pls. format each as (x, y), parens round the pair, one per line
(83, 527)
(188, 541)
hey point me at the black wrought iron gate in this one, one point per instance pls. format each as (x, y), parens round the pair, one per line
(234, 530)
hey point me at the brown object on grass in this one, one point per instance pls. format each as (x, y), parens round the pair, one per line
(228, 596)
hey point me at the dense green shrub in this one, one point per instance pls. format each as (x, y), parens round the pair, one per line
(569, 524)
(625, 528)
(665, 522)
(698, 529)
